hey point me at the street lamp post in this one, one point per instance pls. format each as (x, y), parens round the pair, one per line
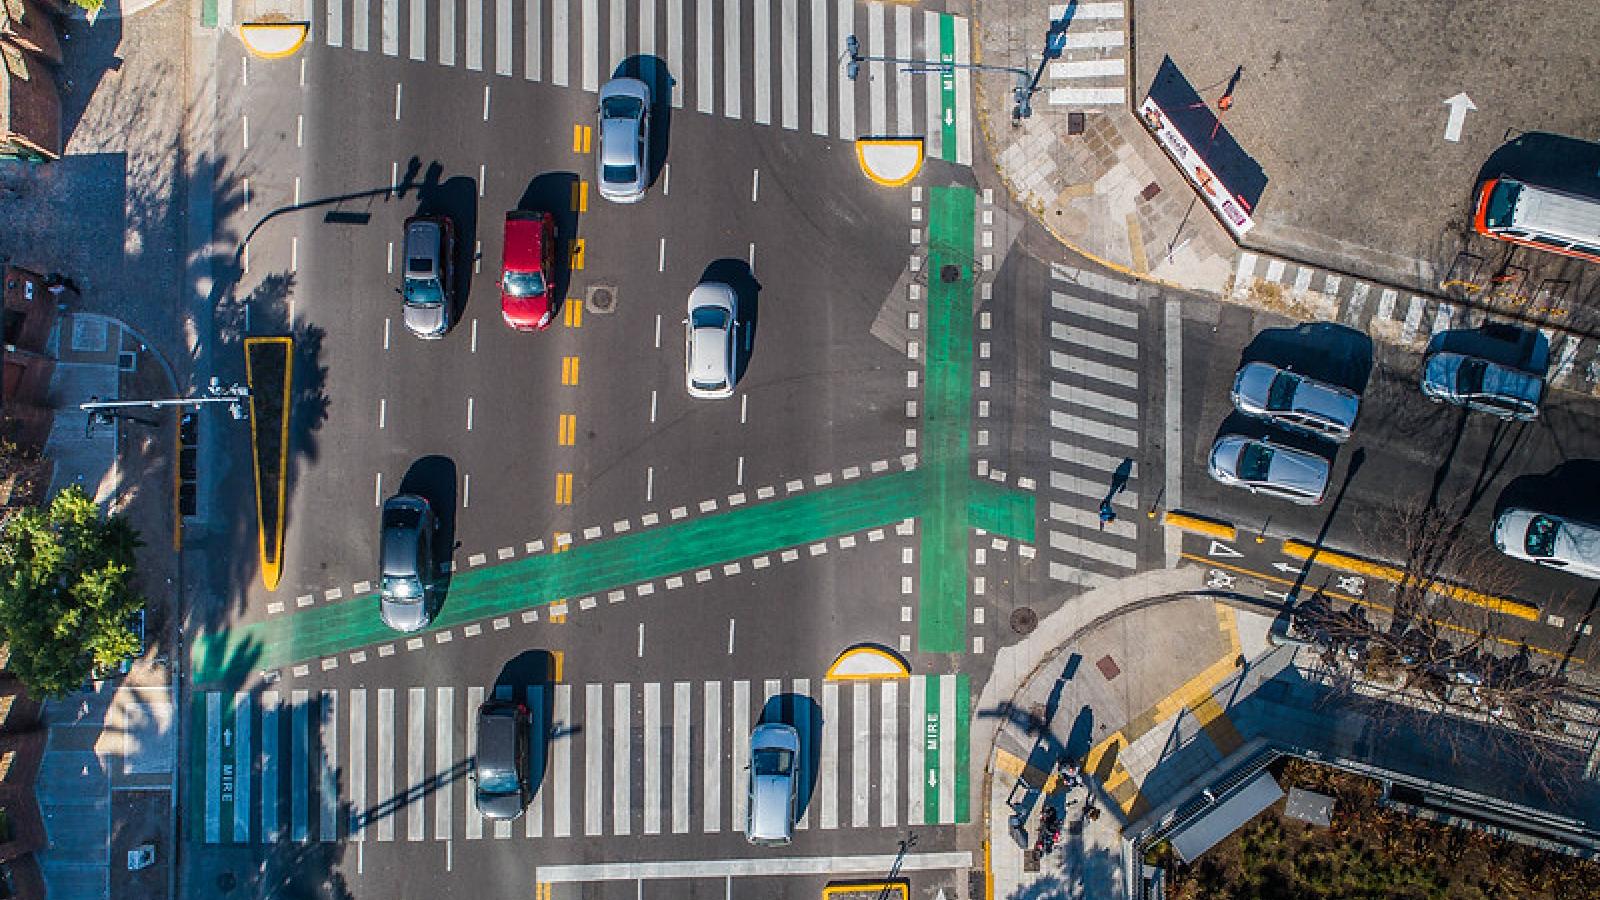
(234, 395)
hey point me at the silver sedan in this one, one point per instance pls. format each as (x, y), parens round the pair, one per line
(1263, 467)
(624, 157)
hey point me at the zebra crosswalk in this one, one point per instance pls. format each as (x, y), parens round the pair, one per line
(773, 62)
(610, 759)
(1093, 67)
(1095, 398)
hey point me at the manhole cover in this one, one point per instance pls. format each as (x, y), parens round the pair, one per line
(601, 299)
(950, 274)
(1024, 620)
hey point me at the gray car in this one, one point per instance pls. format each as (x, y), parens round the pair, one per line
(1263, 467)
(774, 785)
(405, 548)
(624, 157)
(500, 767)
(1549, 540)
(1296, 402)
(427, 288)
(711, 341)
(1482, 386)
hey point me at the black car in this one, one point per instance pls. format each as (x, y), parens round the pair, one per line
(500, 769)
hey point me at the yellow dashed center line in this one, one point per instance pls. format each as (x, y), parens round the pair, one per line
(569, 371)
(580, 196)
(580, 138)
(567, 433)
(563, 495)
(577, 266)
(572, 310)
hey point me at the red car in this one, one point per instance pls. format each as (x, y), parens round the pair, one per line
(527, 288)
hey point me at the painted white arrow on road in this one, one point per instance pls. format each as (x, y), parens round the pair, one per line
(1459, 105)
(1285, 567)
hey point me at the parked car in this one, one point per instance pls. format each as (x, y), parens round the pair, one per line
(710, 341)
(428, 286)
(405, 548)
(774, 787)
(1497, 369)
(1294, 401)
(1549, 540)
(527, 273)
(624, 157)
(500, 768)
(1263, 467)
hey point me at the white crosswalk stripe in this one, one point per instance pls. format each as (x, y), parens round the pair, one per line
(1093, 67)
(768, 61)
(648, 757)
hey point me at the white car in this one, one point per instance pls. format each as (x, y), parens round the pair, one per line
(1549, 540)
(710, 341)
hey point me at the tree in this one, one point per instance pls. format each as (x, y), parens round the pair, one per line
(66, 592)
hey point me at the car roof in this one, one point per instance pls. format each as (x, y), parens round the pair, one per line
(497, 737)
(1310, 396)
(524, 247)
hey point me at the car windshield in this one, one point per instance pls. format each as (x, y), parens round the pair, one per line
(772, 762)
(1281, 395)
(621, 174)
(423, 292)
(524, 284)
(1542, 536)
(498, 781)
(710, 317)
(1469, 380)
(402, 587)
(1254, 462)
(621, 108)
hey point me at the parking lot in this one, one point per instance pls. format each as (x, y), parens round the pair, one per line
(1344, 107)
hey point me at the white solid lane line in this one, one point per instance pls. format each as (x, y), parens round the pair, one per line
(397, 104)
(377, 491)
(752, 867)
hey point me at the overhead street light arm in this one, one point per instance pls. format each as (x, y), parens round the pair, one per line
(1022, 94)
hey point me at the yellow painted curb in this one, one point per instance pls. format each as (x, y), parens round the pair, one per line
(890, 162)
(271, 571)
(867, 662)
(1200, 525)
(1334, 559)
(274, 40)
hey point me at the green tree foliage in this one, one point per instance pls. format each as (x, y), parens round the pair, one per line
(90, 5)
(66, 592)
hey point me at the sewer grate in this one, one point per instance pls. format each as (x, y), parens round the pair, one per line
(1024, 620)
(601, 299)
(950, 274)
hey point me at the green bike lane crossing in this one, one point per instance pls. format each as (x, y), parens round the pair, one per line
(940, 493)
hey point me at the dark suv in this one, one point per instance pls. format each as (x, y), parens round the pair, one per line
(430, 248)
(500, 769)
(405, 549)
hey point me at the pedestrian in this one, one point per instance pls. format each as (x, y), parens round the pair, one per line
(1107, 514)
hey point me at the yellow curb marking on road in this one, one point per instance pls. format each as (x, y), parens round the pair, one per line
(1200, 525)
(866, 889)
(988, 874)
(867, 662)
(1361, 601)
(558, 659)
(1009, 763)
(572, 310)
(890, 162)
(271, 569)
(1336, 560)
(569, 371)
(273, 40)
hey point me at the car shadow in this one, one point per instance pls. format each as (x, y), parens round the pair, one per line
(1323, 351)
(554, 192)
(736, 274)
(1568, 490)
(1260, 429)
(530, 677)
(803, 713)
(457, 199)
(434, 479)
(653, 71)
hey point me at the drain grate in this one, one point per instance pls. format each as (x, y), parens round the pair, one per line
(601, 299)
(950, 274)
(1024, 620)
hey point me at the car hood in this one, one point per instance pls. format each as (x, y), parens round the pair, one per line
(525, 312)
(499, 806)
(428, 320)
(404, 616)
